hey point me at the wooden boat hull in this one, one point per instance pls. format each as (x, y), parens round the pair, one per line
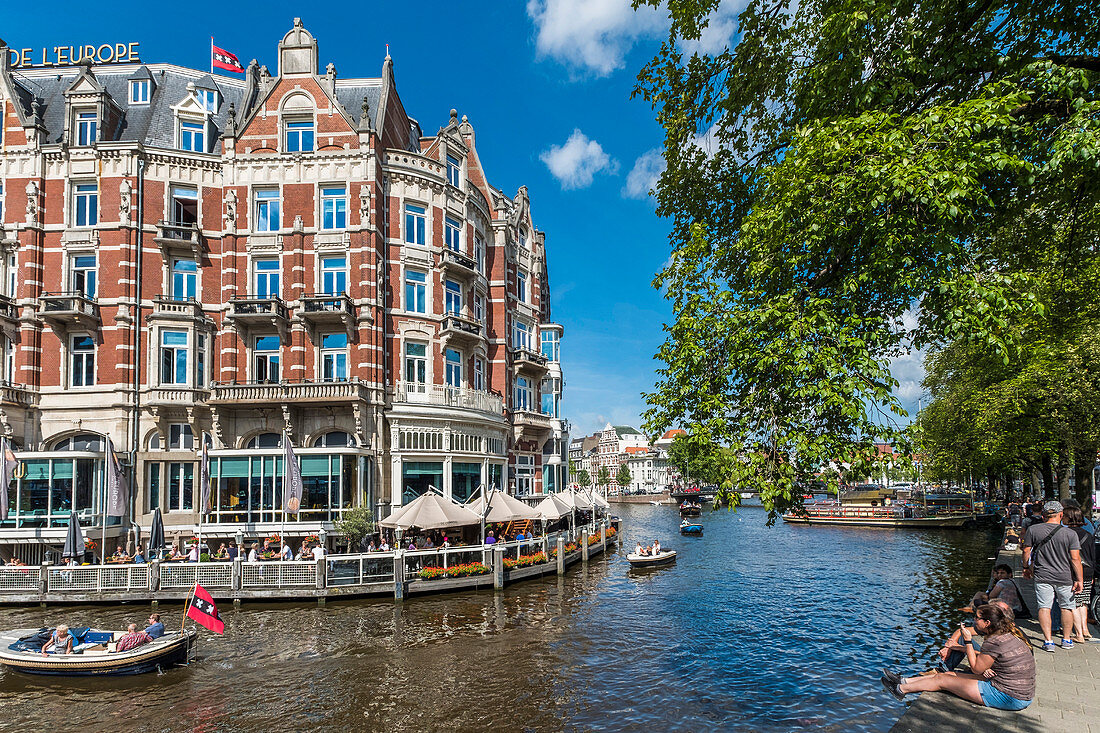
(167, 651)
(691, 511)
(889, 522)
(649, 561)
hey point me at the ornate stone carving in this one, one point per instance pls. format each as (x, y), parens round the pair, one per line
(364, 204)
(124, 192)
(32, 202)
(216, 429)
(288, 425)
(230, 215)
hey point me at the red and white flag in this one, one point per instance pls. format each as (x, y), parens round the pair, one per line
(203, 610)
(222, 59)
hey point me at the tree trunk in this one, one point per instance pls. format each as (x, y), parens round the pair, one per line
(1064, 463)
(1048, 478)
(1010, 484)
(1084, 462)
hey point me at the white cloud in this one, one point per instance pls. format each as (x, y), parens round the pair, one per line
(576, 162)
(908, 368)
(592, 35)
(643, 176)
(720, 30)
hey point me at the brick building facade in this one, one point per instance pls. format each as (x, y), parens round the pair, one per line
(191, 258)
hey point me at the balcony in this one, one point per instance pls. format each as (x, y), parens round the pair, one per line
(72, 308)
(256, 394)
(530, 425)
(443, 395)
(174, 396)
(19, 395)
(322, 308)
(179, 238)
(259, 313)
(529, 362)
(457, 264)
(171, 309)
(9, 311)
(459, 329)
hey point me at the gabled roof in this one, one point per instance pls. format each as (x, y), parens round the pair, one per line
(622, 430)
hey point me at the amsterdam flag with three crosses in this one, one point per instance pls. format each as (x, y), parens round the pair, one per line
(202, 609)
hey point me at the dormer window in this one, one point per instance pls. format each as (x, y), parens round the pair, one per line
(209, 99)
(192, 136)
(139, 91)
(299, 136)
(87, 124)
(454, 170)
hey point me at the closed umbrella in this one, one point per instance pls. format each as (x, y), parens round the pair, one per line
(74, 539)
(430, 511)
(156, 535)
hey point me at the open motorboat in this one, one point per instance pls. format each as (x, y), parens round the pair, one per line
(93, 652)
(691, 509)
(648, 561)
(689, 527)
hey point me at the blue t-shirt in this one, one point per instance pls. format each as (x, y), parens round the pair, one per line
(490, 540)
(155, 630)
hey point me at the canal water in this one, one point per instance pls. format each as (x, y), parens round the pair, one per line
(755, 628)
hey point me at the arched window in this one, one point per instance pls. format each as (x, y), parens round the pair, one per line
(82, 442)
(335, 439)
(265, 440)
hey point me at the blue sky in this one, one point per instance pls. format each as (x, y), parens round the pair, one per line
(546, 85)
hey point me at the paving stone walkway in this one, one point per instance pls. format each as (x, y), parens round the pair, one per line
(1067, 696)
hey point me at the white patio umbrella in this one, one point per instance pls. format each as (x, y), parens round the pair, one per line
(430, 511)
(504, 508)
(576, 499)
(552, 508)
(597, 500)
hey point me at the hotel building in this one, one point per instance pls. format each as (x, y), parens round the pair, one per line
(192, 258)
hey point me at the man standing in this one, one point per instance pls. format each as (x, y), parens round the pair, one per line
(1052, 557)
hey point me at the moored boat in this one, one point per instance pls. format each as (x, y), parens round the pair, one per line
(20, 649)
(694, 528)
(648, 561)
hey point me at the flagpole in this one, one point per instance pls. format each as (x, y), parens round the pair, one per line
(187, 605)
(103, 533)
(282, 533)
(211, 54)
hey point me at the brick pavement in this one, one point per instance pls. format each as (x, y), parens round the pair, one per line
(1067, 696)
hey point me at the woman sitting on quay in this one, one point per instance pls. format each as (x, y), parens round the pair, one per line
(1001, 676)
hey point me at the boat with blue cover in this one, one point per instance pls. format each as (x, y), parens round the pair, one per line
(93, 652)
(687, 527)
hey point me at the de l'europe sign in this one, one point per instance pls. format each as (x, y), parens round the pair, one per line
(105, 53)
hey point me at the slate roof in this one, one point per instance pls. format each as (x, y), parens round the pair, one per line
(622, 430)
(153, 124)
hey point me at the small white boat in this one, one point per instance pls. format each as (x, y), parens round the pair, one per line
(94, 655)
(649, 561)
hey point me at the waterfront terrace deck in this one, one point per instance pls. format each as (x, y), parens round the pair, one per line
(396, 573)
(1067, 682)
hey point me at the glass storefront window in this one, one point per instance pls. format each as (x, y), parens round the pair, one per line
(418, 477)
(465, 478)
(250, 489)
(51, 488)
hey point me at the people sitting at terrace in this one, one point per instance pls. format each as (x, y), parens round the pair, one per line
(490, 539)
(428, 544)
(285, 553)
(139, 555)
(132, 639)
(177, 554)
(234, 551)
(155, 629)
(1001, 676)
(319, 552)
(61, 641)
(222, 553)
(253, 554)
(15, 562)
(193, 554)
(120, 555)
(385, 546)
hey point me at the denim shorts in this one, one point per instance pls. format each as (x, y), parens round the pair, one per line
(1045, 592)
(994, 698)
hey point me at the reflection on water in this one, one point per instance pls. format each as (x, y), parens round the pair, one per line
(754, 628)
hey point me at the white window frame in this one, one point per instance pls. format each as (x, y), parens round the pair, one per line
(454, 171)
(522, 395)
(89, 192)
(209, 99)
(452, 234)
(452, 368)
(139, 91)
(339, 203)
(521, 334)
(416, 224)
(84, 279)
(416, 292)
(325, 272)
(415, 368)
(293, 126)
(188, 137)
(333, 354)
(267, 273)
(263, 200)
(479, 308)
(268, 356)
(479, 252)
(90, 356)
(479, 374)
(87, 126)
(188, 279)
(179, 376)
(452, 297)
(521, 286)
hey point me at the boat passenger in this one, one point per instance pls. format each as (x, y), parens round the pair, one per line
(132, 639)
(638, 549)
(656, 547)
(155, 629)
(1002, 675)
(61, 641)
